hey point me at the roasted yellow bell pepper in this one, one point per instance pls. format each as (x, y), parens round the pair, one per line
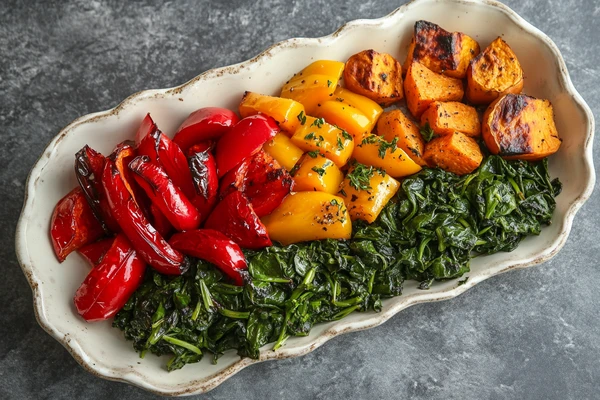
(371, 109)
(284, 111)
(283, 150)
(317, 173)
(351, 112)
(306, 216)
(376, 151)
(314, 134)
(366, 191)
(314, 85)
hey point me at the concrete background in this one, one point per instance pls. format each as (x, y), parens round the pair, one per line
(530, 334)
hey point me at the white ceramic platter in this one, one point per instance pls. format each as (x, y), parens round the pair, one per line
(103, 351)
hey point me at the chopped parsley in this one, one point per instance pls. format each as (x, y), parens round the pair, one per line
(310, 136)
(320, 171)
(318, 122)
(301, 117)
(427, 132)
(360, 176)
(313, 154)
(346, 135)
(385, 145)
(329, 83)
(340, 145)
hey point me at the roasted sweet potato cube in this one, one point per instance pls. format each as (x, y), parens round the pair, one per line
(377, 76)
(456, 153)
(422, 87)
(441, 51)
(445, 118)
(520, 127)
(493, 73)
(394, 124)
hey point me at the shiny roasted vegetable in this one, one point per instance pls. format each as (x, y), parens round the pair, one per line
(520, 127)
(309, 216)
(366, 190)
(284, 111)
(352, 112)
(73, 224)
(314, 84)
(283, 150)
(376, 151)
(445, 118)
(317, 173)
(493, 73)
(394, 124)
(444, 52)
(456, 153)
(261, 179)
(422, 87)
(377, 76)
(314, 134)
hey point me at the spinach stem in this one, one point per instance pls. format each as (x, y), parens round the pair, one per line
(182, 343)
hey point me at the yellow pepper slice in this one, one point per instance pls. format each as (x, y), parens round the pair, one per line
(284, 111)
(346, 117)
(376, 151)
(366, 191)
(371, 109)
(314, 134)
(306, 216)
(283, 150)
(317, 173)
(314, 84)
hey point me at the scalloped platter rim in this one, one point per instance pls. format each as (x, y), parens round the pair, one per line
(53, 285)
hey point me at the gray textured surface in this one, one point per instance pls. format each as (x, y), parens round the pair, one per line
(530, 334)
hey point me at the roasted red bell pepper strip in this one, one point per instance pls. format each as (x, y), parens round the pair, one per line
(122, 155)
(109, 285)
(234, 217)
(262, 180)
(162, 192)
(204, 174)
(73, 224)
(88, 170)
(243, 140)
(204, 124)
(164, 152)
(144, 238)
(214, 247)
(94, 252)
(160, 222)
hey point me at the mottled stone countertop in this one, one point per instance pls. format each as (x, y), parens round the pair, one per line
(528, 334)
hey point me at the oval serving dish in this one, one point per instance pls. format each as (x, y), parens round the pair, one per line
(103, 350)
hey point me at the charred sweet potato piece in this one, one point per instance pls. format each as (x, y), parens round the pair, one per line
(445, 118)
(456, 153)
(520, 127)
(422, 87)
(377, 76)
(394, 124)
(441, 51)
(493, 73)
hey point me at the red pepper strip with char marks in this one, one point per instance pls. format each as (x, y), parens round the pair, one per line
(161, 190)
(73, 224)
(162, 151)
(94, 252)
(109, 285)
(235, 217)
(204, 174)
(243, 140)
(144, 238)
(262, 180)
(214, 247)
(88, 170)
(204, 124)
